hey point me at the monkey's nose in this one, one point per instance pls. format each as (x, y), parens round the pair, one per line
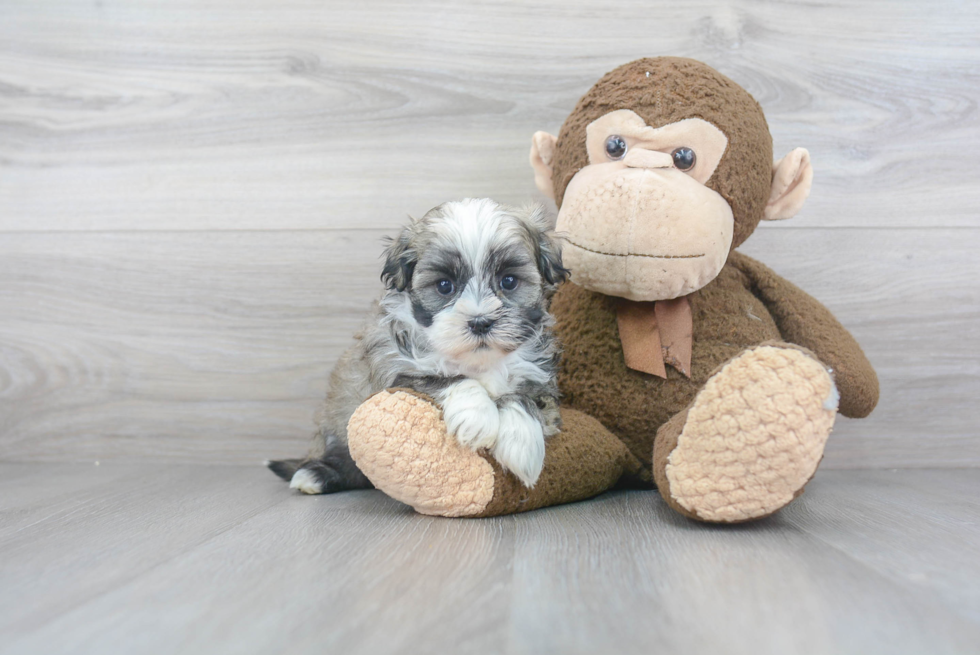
(481, 325)
(643, 158)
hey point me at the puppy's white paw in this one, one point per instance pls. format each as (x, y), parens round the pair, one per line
(471, 415)
(306, 481)
(520, 444)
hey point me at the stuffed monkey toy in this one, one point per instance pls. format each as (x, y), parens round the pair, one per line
(686, 364)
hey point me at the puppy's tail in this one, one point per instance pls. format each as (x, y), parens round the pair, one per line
(284, 468)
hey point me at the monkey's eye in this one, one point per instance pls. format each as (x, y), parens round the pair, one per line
(684, 158)
(615, 147)
(445, 287)
(508, 283)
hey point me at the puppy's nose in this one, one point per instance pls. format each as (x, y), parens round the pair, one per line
(481, 325)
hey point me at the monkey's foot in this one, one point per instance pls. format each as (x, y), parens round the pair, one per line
(399, 441)
(752, 438)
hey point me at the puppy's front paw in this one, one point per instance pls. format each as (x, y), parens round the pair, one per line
(471, 415)
(520, 444)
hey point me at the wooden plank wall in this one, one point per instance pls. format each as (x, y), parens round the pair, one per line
(192, 195)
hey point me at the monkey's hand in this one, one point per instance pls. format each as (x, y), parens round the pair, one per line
(470, 414)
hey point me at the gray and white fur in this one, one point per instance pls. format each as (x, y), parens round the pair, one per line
(464, 318)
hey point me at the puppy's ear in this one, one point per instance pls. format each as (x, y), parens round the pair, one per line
(400, 259)
(536, 216)
(549, 259)
(547, 247)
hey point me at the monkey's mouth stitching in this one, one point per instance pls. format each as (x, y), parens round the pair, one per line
(613, 254)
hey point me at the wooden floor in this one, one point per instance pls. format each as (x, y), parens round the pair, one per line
(184, 559)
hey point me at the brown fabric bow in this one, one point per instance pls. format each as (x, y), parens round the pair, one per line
(656, 333)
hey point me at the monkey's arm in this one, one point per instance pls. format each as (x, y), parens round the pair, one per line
(804, 321)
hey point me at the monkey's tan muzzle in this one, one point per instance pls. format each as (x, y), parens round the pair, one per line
(643, 233)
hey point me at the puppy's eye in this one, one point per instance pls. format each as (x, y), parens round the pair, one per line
(615, 147)
(684, 158)
(445, 287)
(508, 283)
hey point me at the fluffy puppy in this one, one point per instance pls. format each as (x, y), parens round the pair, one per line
(464, 319)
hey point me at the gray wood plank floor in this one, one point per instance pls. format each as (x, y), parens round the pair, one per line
(166, 559)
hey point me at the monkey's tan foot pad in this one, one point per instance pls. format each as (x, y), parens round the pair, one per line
(752, 438)
(399, 441)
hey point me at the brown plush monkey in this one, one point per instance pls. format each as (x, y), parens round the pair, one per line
(686, 363)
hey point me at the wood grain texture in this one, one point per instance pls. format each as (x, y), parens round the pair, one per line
(192, 196)
(165, 559)
(181, 346)
(68, 542)
(898, 506)
(215, 346)
(267, 115)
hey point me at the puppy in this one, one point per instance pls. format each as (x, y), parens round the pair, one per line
(464, 319)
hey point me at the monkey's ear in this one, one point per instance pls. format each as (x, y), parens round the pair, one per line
(400, 259)
(792, 177)
(542, 152)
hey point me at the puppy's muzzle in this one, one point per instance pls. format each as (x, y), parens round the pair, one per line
(480, 326)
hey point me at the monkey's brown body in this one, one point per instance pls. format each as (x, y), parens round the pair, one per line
(741, 436)
(594, 378)
(728, 318)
